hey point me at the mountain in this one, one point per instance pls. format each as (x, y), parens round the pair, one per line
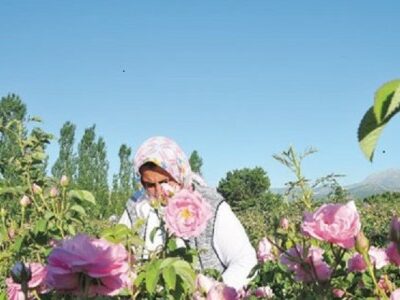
(376, 183)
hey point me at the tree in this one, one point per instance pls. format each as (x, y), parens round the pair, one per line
(100, 173)
(87, 160)
(123, 182)
(66, 161)
(245, 187)
(12, 115)
(125, 174)
(93, 169)
(196, 162)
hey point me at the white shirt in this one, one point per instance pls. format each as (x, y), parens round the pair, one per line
(230, 241)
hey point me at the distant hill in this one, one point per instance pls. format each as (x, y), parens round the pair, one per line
(376, 183)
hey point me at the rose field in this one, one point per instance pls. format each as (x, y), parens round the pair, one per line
(60, 237)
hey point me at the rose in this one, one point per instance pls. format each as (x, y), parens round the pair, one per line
(264, 292)
(338, 293)
(204, 283)
(101, 266)
(264, 251)
(64, 181)
(378, 257)
(53, 192)
(307, 266)
(395, 295)
(169, 190)
(393, 253)
(221, 291)
(36, 189)
(394, 232)
(186, 214)
(284, 223)
(385, 284)
(335, 223)
(25, 201)
(356, 263)
(35, 283)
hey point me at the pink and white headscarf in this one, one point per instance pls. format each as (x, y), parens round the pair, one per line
(166, 154)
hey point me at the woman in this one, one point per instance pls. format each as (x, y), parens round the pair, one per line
(160, 162)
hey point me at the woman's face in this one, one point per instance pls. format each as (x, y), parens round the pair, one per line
(153, 178)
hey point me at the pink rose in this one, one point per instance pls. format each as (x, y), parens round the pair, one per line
(221, 291)
(394, 231)
(284, 223)
(338, 293)
(36, 189)
(356, 263)
(385, 284)
(169, 190)
(264, 251)
(395, 295)
(36, 283)
(335, 223)
(204, 283)
(264, 292)
(186, 214)
(393, 254)
(103, 265)
(64, 181)
(307, 267)
(25, 201)
(53, 192)
(378, 257)
(243, 293)
(198, 296)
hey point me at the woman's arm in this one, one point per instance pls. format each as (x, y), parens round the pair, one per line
(233, 247)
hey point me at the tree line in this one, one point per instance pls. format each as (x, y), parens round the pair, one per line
(87, 167)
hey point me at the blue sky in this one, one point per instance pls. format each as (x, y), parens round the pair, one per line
(236, 80)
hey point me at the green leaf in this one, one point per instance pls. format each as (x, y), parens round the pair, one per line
(368, 133)
(383, 97)
(3, 296)
(71, 229)
(79, 209)
(172, 245)
(169, 276)
(186, 272)
(82, 195)
(15, 190)
(367, 280)
(49, 215)
(168, 261)
(41, 226)
(152, 276)
(18, 244)
(153, 233)
(140, 278)
(117, 233)
(394, 105)
(3, 235)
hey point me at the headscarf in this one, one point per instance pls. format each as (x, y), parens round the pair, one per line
(166, 154)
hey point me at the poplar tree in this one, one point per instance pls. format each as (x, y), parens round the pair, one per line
(11, 108)
(123, 186)
(66, 161)
(196, 162)
(100, 173)
(125, 171)
(87, 160)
